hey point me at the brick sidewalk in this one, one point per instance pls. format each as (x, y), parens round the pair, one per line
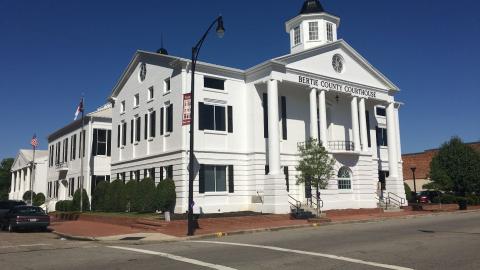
(231, 224)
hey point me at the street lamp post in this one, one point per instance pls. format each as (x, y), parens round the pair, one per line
(191, 174)
(413, 168)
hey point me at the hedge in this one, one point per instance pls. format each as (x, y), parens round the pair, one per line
(39, 199)
(98, 196)
(131, 195)
(166, 195)
(145, 199)
(64, 206)
(115, 197)
(76, 201)
(452, 199)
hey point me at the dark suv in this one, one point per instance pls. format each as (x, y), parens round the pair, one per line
(6, 206)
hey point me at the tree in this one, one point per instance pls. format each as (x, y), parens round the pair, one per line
(99, 196)
(455, 168)
(166, 196)
(145, 199)
(76, 201)
(315, 166)
(26, 196)
(115, 197)
(39, 199)
(5, 177)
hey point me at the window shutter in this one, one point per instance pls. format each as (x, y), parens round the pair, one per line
(267, 169)
(109, 143)
(230, 119)
(285, 171)
(231, 185)
(94, 142)
(201, 118)
(162, 117)
(118, 136)
(385, 138)
(131, 131)
(379, 135)
(145, 129)
(367, 118)
(161, 173)
(153, 121)
(284, 117)
(265, 115)
(201, 179)
(170, 118)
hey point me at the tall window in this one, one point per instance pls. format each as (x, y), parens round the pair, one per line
(313, 30)
(136, 100)
(329, 32)
(215, 178)
(166, 85)
(382, 139)
(73, 151)
(137, 128)
(344, 178)
(214, 83)
(212, 117)
(150, 93)
(50, 157)
(169, 116)
(71, 187)
(101, 144)
(296, 35)
(65, 150)
(124, 133)
(380, 111)
(153, 116)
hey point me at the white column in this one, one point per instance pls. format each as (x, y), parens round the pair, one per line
(323, 118)
(275, 191)
(397, 127)
(27, 181)
(273, 129)
(21, 186)
(392, 142)
(363, 124)
(313, 114)
(12, 186)
(355, 131)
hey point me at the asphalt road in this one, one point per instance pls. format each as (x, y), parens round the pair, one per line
(447, 241)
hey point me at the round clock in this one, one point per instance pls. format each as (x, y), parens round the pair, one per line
(338, 63)
(143, 72)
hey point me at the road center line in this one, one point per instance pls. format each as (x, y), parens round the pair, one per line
(330, 256)
(175, 257)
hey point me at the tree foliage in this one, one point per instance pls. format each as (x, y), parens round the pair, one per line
(76, 201)
(5, 177)
(315, 165)
(26, 195)
(455, 168)
(39, 199)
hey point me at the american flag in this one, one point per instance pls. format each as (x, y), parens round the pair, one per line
(34, 141)
(79, 109)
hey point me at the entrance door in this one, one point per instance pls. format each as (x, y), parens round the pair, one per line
(382, 176)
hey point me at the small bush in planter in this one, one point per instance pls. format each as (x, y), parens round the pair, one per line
(39, 199)
(26, 195)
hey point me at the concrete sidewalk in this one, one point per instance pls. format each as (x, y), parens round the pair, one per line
(176, 230)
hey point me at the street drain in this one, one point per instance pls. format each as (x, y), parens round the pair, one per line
(132, 238)
(426, 231)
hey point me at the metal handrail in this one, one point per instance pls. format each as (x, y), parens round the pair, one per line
(397, 198)
(297, 204)
(341, 145)
(315, 201)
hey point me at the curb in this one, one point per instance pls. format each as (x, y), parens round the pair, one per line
(272, 229)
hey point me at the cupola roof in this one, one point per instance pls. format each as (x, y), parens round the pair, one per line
(311, 6)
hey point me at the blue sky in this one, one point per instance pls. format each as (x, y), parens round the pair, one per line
(53, 51)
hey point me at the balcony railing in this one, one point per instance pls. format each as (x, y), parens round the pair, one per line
(341, 146)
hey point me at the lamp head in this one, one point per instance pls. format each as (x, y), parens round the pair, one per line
(413, 168)
(220, 28)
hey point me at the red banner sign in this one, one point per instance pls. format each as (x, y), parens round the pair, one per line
(186, 109)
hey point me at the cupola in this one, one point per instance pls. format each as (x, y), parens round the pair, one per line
(312, 27)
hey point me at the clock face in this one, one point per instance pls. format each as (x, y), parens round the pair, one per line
(143, 72)
(338, 63)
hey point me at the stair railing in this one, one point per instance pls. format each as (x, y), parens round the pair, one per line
(393, 198)
(297, 204)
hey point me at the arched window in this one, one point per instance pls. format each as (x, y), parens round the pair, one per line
(344, 178)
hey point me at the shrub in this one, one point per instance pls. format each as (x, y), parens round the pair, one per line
(64, 206)
(166, 195)
(99, 196)
(39, 199)
(130, 195)
(145, 199)
(473, 200)
(26, 195)
(76, 201)
(115, 198)
(408, 193)
(447, 199)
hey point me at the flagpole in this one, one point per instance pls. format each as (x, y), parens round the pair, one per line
(32, 176)
(82, 157)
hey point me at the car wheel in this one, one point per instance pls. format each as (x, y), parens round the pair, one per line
(11, 228)
(44, 229)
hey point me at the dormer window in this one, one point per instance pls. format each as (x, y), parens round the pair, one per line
(166, 85)
(313, 30)
(122, 107)
(329, 32)
(296, 36)
(136, 100)
(150, 93)
(213, 83)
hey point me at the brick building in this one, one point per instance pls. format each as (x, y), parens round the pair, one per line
(422, 163)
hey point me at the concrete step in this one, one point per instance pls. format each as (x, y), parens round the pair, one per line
(152, 222)
(393, 209)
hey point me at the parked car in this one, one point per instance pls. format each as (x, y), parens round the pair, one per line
(427, 196)
(6, 206)
(25, 217)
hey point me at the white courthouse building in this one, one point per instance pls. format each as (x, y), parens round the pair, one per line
(67, 146)
(22, 174)
(249, 122)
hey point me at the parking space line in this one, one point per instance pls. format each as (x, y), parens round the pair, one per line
(330, 256)
(175, 257)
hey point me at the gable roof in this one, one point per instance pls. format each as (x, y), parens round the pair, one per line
(25, 156)
(289, 58)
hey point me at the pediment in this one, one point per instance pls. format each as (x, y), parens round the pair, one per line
(356, 68)
(20, 162)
